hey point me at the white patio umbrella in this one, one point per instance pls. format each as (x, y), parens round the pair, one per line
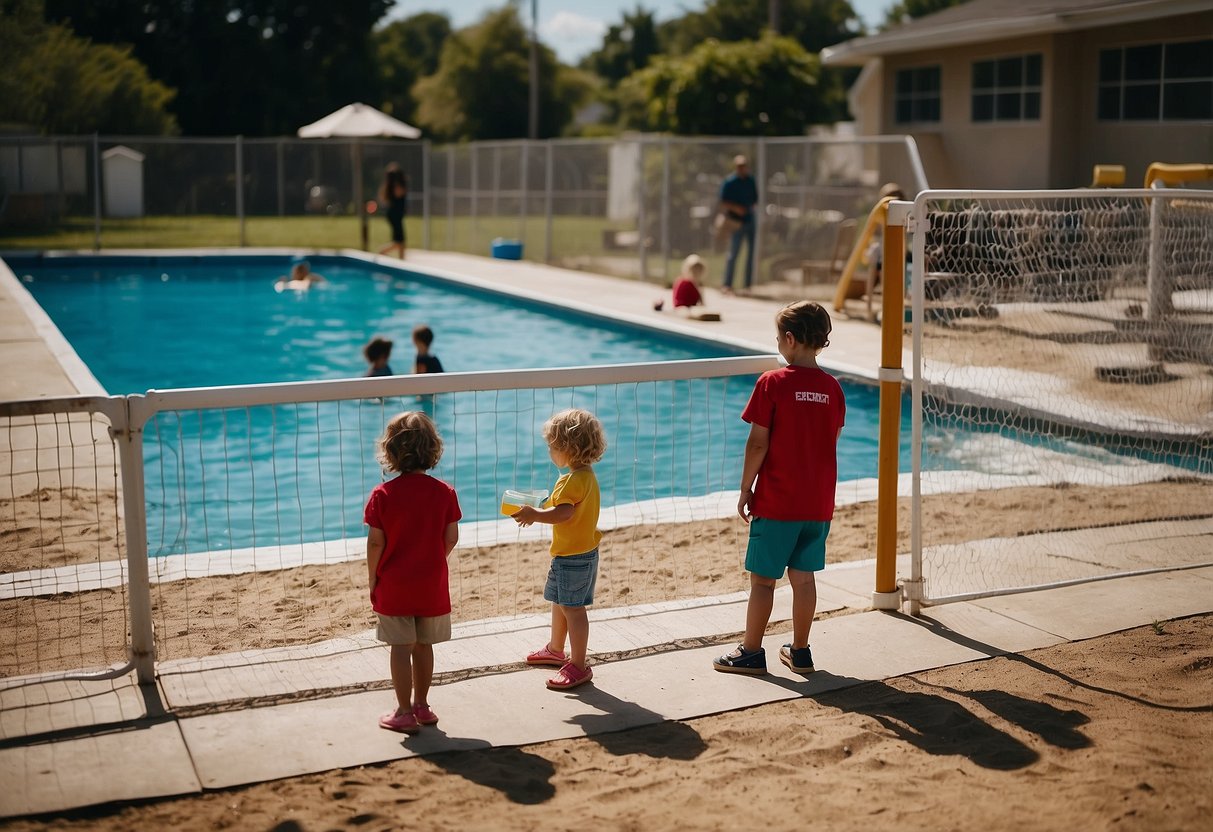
(358, 121)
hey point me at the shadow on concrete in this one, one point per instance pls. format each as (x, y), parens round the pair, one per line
(670, 740)
(520, 776)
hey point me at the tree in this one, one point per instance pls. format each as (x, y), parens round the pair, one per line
(814, 24)
(60, 83)
(769, 87)
(907, 10)
(243, 66)
(407, 51)
(481, 87)
(626, 47)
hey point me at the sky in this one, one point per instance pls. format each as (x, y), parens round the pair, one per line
(575, 27)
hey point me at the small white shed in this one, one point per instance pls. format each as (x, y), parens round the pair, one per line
(122, 175)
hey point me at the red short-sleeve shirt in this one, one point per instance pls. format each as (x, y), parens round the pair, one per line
(413, 511)
(803, 407)
(686, 293)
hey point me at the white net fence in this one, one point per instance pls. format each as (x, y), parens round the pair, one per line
(1064, 386)
(61, 528)
(254, 500)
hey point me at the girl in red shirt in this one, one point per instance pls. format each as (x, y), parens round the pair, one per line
(414, 525)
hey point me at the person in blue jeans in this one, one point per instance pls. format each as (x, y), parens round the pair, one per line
(738, 196)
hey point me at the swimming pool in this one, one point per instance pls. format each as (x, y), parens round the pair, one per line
(229, 478)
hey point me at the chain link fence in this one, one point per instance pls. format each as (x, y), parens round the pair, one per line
(631, 206)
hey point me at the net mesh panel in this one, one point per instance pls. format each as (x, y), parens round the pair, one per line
(1072, 401)
(62, 519)
(255, 514)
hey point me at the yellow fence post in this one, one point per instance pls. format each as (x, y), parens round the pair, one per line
(887, 595)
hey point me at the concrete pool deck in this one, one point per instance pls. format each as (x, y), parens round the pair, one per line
(221, 722)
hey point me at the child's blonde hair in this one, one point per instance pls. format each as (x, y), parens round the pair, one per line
(694, 266)
(577, 434)
(410, 442)
(808, 322)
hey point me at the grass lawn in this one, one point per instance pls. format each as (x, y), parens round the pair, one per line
(576, 241)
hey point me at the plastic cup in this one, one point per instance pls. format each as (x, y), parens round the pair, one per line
(512, 501)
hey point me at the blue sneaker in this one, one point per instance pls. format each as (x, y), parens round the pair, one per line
(799, 659)
(750, 662)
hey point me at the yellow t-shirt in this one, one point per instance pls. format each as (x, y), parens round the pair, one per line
(579, 534)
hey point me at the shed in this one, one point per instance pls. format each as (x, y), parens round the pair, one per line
(122, 175)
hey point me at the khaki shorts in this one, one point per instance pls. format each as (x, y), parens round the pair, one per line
(413, 629)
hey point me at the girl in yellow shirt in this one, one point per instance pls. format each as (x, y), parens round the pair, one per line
(576, 441)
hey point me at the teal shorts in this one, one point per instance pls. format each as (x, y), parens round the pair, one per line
(776, 545)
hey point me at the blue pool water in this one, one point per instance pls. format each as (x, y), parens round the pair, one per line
(230, 478)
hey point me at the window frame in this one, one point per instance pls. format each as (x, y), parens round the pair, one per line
(915, 98)
(997, 91)
(1123, 86)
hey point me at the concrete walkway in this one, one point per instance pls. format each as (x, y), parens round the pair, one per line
(217, 723)
(236, 719)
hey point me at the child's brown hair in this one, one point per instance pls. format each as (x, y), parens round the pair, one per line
(577, 434)
(808, 322)
(377, 348)
(410, 442)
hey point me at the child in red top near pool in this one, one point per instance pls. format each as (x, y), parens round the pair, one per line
(796, 414)
(575, 441)
(414, 525)
(687, 291)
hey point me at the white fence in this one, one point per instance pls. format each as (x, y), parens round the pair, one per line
(241, 507)
(1067, 336)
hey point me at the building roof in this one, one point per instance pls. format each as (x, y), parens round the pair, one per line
(979, 21)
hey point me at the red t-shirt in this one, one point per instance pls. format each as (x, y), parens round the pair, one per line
(804, 409)
(686, 293)
(413, 510)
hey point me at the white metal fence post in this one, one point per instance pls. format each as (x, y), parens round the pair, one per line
(526, 154)
(665, 208)
(96, 192)
(450, 196)
(240, 186)
(130, 455)
(549, 171)
(425, 193)
(641, 219)
(759, 209)
(281, 178)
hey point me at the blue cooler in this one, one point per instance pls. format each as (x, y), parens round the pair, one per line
(504, 249)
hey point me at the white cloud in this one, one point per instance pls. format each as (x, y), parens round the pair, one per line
(569, 27)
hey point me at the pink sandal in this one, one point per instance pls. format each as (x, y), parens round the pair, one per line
(570, 676)
(404, 723)
(546, 656)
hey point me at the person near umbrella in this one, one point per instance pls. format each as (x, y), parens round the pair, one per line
(394, 194)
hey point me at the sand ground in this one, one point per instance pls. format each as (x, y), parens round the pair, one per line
(208, 615)
(1111, 733)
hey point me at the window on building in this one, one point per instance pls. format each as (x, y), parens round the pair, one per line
(917, 95)
(1007, 89)
(1157, 82)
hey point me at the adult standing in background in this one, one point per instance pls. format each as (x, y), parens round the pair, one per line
(738, 196)
(394, 194)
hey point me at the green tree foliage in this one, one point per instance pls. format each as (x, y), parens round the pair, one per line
(770, 87)
(258, 67)
(60, 83)
(407, 51)
(906, 10)
(814, 24)
(626, 47)
(481, 88)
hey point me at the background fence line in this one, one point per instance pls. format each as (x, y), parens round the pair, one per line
(630, 206)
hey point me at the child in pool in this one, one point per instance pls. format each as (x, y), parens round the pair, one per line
(426, 362)
(377, 352)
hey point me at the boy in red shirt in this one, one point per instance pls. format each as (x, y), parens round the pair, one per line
(414, 525)
(796, 414)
